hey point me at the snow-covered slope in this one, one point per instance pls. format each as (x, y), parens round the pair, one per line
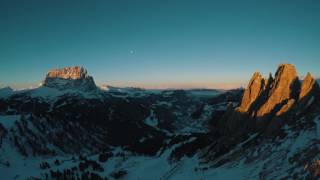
(254, 158)
(45, 124)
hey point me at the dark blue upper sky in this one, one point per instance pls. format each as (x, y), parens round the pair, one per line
(157, 43)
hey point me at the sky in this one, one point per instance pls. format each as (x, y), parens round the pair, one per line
(158, 43)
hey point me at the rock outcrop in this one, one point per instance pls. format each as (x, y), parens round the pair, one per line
(76, 72)
(253, 91)
(309, 87)
(264, 101)
(284, 87)
(309, 92)
(69, 78)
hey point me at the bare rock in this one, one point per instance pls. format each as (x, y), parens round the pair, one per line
(309, 86)
(284, 87)
(69, 78)
(268, 104)
(253, 91)
(289, 104)
(309, 93)
(76, 72)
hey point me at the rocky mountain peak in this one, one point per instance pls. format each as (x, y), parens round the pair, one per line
(69, 78)
(264, 101)
(285, 86)
(76, 72)
(309, 85)
(266, 94)
(252, 92)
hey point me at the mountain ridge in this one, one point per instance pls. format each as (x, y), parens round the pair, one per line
(265, 99)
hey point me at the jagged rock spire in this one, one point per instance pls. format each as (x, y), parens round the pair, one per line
(284, 87)
(267, 94)
(264, 101)
(252, 92)
(309, 85)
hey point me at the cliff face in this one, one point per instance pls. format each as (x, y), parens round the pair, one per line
(76, 72)
(284, 88)
(254, 89)
(266, 100)
(69, 78)
(309, 87)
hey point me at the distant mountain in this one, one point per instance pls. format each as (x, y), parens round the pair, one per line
(69, 78)
(121, 89)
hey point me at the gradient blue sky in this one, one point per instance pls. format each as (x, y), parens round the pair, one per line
(157, 43)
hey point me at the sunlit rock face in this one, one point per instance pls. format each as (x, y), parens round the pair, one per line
(252, 92)
(309, 86)
(309, 92)
(262, 96)
(284, 88)
(264, 101)
(76, 72)
(274, 96)
(69, 78)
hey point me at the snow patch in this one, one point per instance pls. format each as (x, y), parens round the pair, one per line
(152, 119)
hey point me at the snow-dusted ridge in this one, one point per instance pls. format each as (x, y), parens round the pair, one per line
(48, 93)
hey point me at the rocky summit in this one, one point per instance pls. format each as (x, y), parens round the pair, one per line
(284, 88)
(69, 78)
(255, 88)
(309, 87)
(266, 99)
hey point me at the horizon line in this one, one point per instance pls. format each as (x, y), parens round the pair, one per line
(150, 86)
(160, 86)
